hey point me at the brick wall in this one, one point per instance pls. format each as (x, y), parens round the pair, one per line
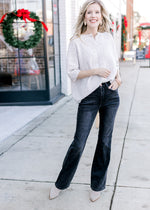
(130, 24)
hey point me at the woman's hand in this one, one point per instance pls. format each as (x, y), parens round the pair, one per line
(102, 72)
(115, 84)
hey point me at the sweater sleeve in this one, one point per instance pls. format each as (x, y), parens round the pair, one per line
(72, 61)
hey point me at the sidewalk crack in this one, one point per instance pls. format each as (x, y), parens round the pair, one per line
(124, 140)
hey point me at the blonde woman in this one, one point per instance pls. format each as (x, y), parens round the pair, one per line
(93, 69)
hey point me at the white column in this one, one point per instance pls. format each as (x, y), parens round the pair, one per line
(68, 11)
(64, 17)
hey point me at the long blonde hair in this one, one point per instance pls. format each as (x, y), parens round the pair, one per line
(81, 28)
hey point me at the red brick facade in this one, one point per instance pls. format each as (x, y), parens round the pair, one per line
(130, 17)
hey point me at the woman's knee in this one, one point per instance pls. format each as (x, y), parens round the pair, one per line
(78, 145)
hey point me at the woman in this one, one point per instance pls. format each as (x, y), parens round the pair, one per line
(94, 72)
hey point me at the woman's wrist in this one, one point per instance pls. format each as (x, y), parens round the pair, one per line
(94, 72)
(118, 80)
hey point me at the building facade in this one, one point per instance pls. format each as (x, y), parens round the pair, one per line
(38, 75)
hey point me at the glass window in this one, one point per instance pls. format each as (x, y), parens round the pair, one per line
(22, 69)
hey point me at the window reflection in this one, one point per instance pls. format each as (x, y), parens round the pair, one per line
(22, 69)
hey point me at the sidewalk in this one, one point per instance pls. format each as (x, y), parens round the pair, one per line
(31, 158)
(20, 116)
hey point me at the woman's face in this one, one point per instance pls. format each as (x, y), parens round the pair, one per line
(93, 16)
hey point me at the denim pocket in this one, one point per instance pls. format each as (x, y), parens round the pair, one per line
(107, 85)
(116, 90)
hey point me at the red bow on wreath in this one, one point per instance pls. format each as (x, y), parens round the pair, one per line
(25, 14)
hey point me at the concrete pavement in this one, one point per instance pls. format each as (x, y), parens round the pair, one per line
(20, 116)
(31, 158)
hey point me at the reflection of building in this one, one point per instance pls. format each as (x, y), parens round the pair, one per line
(138, 20)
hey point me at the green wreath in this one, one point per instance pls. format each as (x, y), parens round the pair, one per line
(12, 40)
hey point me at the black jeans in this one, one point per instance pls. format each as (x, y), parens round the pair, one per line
(106, 101)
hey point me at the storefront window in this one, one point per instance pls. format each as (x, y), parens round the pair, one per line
(21, 69)
(33, 74)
